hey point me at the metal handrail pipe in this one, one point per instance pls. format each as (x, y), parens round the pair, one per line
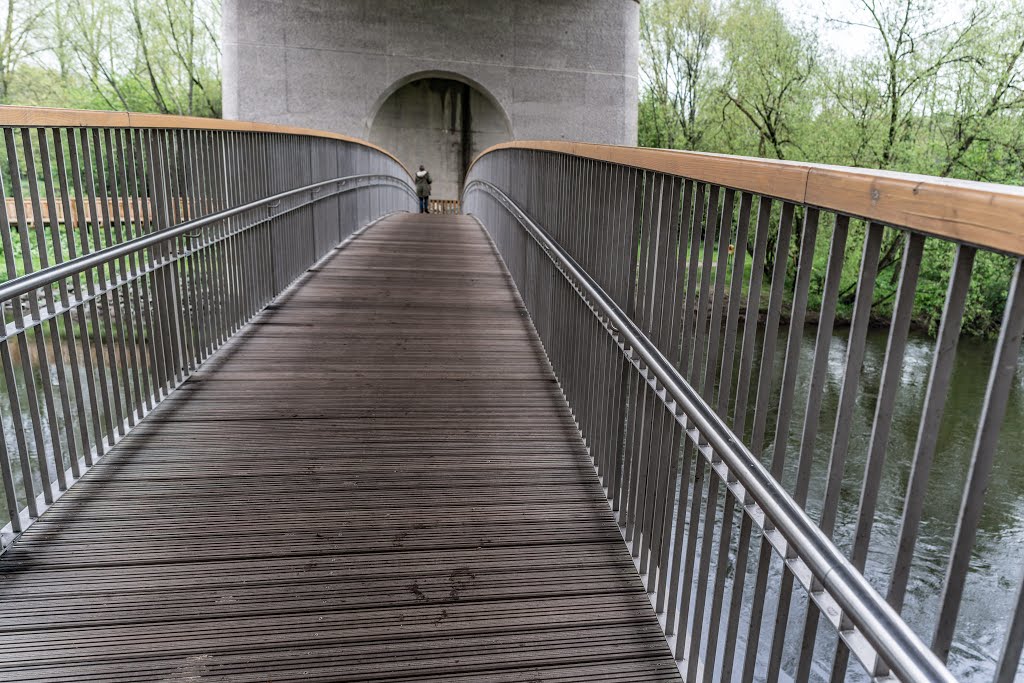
(892, 638)
(47, 276)
(116, 282)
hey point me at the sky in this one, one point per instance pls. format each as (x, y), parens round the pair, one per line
(817, 14)
(822, 15)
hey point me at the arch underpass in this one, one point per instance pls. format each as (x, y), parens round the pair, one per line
(441, 121)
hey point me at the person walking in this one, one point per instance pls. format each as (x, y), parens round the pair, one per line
(423, 183)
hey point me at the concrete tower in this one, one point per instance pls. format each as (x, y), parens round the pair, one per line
(436, 81)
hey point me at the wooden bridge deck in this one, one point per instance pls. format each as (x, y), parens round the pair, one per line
(377, 481)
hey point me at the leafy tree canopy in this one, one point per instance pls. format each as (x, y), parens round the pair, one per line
(158, 56)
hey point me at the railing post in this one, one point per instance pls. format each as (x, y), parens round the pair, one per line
(166, 298)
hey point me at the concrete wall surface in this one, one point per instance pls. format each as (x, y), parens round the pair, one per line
(553, 69)
(443, 124)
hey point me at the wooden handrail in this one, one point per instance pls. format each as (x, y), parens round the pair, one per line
(987, 215)
(47, 117)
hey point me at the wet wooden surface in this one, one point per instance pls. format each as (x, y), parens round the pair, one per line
(377, 481)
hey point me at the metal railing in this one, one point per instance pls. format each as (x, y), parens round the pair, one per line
(661, 285)
(176, 233)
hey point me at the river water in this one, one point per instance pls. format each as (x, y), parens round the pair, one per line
(997, 564)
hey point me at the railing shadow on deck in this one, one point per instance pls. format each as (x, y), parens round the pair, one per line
(661, 284)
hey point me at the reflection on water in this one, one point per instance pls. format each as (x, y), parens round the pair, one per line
(998, 560)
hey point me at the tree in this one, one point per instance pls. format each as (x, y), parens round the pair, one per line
(176, 46)
(21, 19)
(768, 65)
(105, 68)
(981, 135)
(936, 90)
(912, 52)
(193, 40)
(142, 55)
(676, 40)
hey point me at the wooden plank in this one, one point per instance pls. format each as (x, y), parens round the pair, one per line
(377, 481)
(61, 118)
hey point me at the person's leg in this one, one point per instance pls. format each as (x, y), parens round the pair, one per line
(423, 208)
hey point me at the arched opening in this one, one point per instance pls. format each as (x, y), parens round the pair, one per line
(441, 123)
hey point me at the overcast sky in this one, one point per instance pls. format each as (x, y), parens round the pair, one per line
(850, 40)
(820, 15)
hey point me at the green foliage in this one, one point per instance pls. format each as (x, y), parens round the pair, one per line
(767, 69)
(676, 38)
(158, 56)
(990, 286)
(927, 94)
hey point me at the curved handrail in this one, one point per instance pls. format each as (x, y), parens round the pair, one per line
(47, 276)
(986, 215)
(881, 625)
(49, 117)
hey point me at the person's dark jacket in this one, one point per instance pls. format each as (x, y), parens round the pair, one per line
(423, 183)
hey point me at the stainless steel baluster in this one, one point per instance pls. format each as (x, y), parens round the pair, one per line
(708, 233)
(753, 304)
(141, 332)
(23, 349)
(931, 418)
(723, 231)
(675, 617)
(724, 397)
(74, 223)
(81, 165)
(669, 314)
(761, 408)
(812, 414)
(668, 583)
(848, 393)
(45, 248)
(808, 240)
(108, 277)
(123, 314)
(1009, 659)
(1001, 378)
(10, 380)
(892, 372)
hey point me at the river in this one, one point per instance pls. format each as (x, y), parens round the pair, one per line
(997, 563)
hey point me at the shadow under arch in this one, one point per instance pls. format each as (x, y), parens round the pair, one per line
(440, 119)
(438, 75)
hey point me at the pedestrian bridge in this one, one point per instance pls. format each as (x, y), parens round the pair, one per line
(264, 423)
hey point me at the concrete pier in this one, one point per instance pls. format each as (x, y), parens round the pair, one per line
(436, 82)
